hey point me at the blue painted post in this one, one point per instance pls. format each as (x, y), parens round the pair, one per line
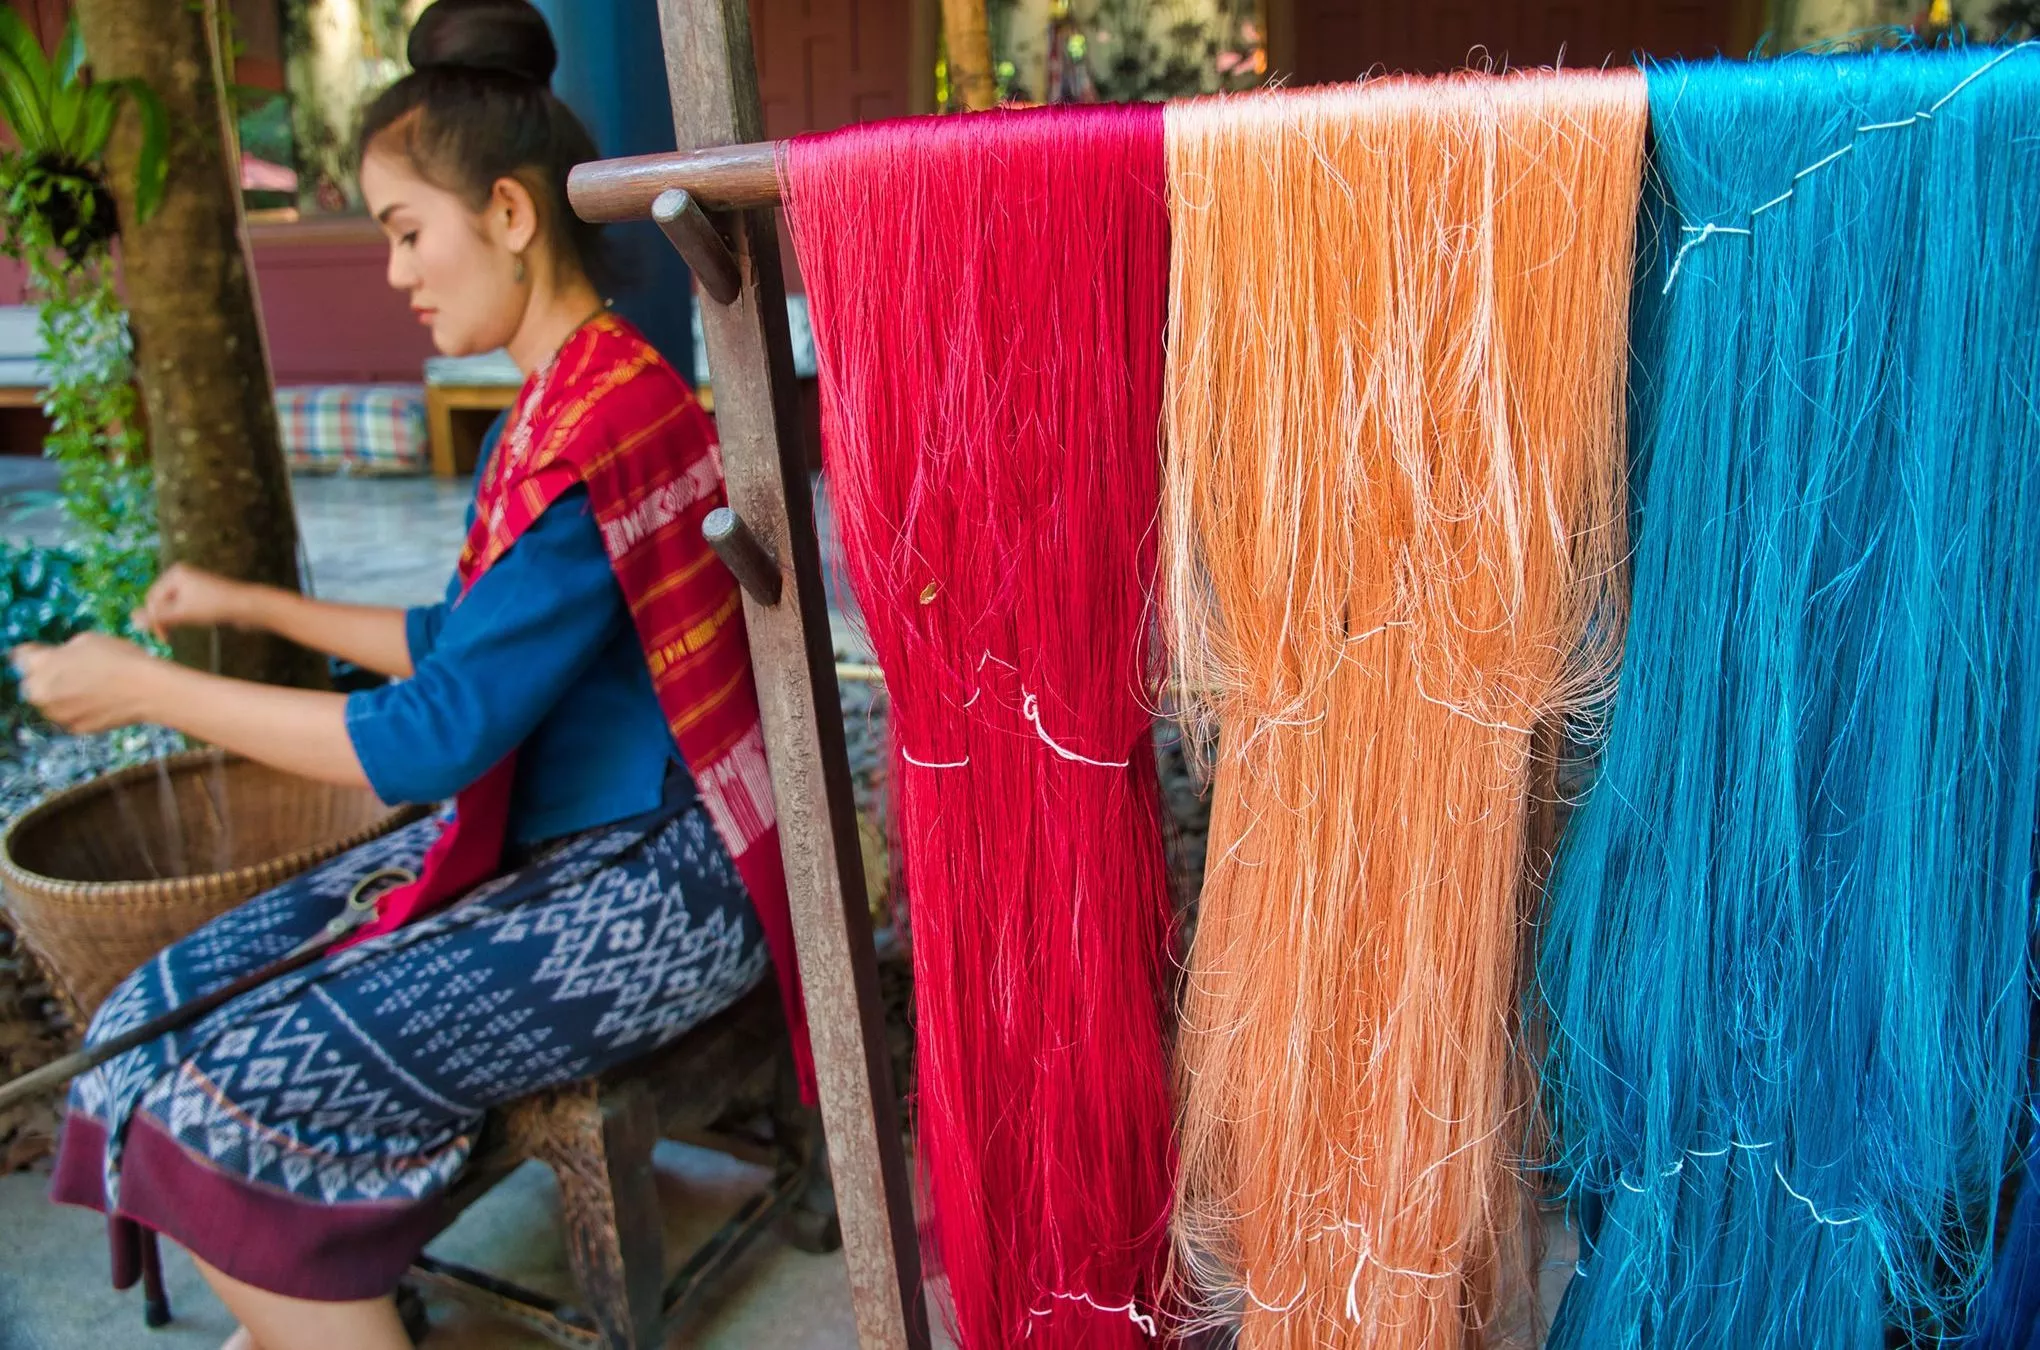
(612, 73)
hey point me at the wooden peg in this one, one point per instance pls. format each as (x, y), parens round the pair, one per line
(690, 230)
(756, 570)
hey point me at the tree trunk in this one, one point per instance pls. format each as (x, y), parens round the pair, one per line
(222, 492)
(969, 39)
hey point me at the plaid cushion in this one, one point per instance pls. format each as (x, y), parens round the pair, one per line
(354, 428)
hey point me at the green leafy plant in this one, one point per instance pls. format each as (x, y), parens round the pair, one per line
(57, 217)
(42, 599)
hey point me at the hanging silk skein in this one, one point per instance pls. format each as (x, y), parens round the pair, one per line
(988, 294)
(1784, 976)
(1393, 524)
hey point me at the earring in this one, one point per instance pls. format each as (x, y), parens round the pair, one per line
(519, 273)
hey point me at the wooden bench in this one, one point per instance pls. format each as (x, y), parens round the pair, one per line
(463, 395)
(457, 417)
(23, 380)
(727, 1085)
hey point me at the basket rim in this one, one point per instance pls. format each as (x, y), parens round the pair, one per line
(14, 875)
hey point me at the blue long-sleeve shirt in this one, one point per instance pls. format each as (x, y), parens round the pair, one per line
(540, 654)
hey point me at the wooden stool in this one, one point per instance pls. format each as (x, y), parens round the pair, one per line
(727, 1085)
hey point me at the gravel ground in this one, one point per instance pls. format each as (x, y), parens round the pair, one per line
(38, 762)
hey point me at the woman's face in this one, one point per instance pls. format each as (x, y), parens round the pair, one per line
(457, 266)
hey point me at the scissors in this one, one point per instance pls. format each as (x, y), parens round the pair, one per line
(359, 909)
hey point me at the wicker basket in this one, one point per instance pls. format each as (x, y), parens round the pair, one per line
(101, 877)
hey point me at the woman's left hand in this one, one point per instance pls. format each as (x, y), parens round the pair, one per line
(91, 683)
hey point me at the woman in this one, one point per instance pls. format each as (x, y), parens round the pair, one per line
(585, 691)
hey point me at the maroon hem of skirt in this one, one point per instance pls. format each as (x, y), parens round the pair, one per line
(324, 1253)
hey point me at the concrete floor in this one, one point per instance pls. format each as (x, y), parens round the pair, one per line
(54, 1293)
(390, 541)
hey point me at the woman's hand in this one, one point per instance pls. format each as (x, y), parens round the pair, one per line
(96, 683)
(186, 597)
(375, 637)
(91, 683)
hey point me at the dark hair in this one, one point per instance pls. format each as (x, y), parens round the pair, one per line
(478, 106)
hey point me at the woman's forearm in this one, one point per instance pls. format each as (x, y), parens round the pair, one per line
(300, 731)
(370, 636)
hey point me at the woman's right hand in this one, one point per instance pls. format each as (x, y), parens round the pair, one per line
(188, 597)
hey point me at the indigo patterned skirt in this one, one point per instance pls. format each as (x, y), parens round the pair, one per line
(301, 1137)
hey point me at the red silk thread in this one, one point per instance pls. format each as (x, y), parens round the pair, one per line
(988, 296)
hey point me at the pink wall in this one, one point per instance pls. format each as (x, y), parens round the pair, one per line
(330, 315)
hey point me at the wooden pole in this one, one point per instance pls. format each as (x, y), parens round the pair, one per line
(720, 178)
(969, 39)
(714, 86)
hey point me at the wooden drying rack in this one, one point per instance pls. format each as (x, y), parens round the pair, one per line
(769, 541)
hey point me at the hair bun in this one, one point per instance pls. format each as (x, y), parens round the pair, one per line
(508, 37)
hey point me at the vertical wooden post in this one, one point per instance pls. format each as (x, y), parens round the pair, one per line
(969, 40)
(714, 85)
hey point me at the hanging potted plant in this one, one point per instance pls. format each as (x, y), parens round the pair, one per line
(57, 219)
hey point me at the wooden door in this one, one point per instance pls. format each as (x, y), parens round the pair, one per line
(824, 64)
(1331, 40)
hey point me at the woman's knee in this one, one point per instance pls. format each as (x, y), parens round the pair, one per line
(127, 1006)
